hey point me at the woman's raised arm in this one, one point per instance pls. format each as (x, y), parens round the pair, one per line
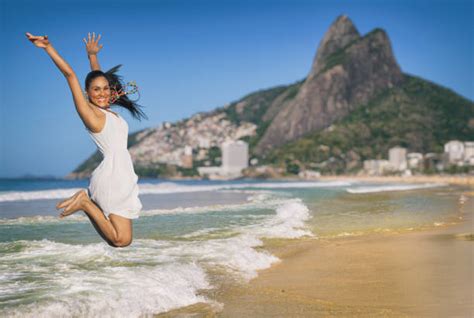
(93, 48)
(85, 111)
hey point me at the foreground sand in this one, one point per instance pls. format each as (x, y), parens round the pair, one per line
(413, 274)
(423, 274)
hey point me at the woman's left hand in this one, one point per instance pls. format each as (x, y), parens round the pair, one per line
(92, 44)
(39, 41)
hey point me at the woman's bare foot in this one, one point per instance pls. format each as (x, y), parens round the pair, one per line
(75, 203)
(68, 201)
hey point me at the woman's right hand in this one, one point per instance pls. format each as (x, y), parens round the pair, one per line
(39, 41)
(92, 44)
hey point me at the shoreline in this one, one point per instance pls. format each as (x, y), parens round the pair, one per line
(466, 180)
(422, 273)
(453, 180)
(427, 273)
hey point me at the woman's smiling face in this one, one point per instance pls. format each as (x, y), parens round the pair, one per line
(99, 92)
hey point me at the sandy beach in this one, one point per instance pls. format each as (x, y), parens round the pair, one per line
(422, 274)
(467, 180)
(425, 273)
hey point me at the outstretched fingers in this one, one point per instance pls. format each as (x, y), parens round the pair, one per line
(92, 43)
(32, 37)
(92, 38)
(35, 37)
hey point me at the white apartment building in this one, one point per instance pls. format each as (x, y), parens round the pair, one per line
(454, 150)
(376, 167)
(397, 157)
(469, 152)
(187, 157)
(235, 155)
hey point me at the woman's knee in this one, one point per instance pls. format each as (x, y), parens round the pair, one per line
(122, 241)
(123, 228)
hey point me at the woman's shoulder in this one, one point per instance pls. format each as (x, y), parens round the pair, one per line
(102, 110)
(99, 121)
(110, 112)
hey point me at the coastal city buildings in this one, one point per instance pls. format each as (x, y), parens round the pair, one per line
(456, 153)
(167, 144)
(469, 153)
(454, 150)
(187, 158)
(415, 160)
(376, 167)
(397, 157)
(459, 153)
(235, 156)
(194, 141)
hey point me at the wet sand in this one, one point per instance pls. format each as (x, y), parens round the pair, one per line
(428, 274)
(421, 274)
(413, 274)
(449, 179)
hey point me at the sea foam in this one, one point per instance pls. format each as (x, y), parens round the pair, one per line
(168, 187)
(256, 201)
(95, 280)
(148, 277)
(395, 187)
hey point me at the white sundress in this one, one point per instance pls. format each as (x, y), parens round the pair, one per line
(113, 184)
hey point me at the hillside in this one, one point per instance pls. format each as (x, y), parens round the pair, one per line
(419, 115)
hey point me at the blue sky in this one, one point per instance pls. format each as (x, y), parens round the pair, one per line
(191, 56)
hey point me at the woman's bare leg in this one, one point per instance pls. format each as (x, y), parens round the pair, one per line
(117, 231)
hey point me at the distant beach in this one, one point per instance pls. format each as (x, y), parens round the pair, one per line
(449, 179)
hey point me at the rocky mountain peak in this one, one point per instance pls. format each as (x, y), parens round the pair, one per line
(341, 32)
(348, 71)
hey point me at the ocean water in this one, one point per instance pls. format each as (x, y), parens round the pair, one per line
(190, 236)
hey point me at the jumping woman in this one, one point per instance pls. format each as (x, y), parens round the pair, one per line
(111, 200)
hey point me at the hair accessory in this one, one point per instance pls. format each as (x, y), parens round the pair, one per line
(129, 89)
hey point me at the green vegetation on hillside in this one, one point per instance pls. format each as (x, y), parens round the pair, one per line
(256, 106)
(418, 115)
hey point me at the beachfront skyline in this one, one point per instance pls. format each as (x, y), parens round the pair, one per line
(190, 57)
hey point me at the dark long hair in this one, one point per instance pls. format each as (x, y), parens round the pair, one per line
(115, 82)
